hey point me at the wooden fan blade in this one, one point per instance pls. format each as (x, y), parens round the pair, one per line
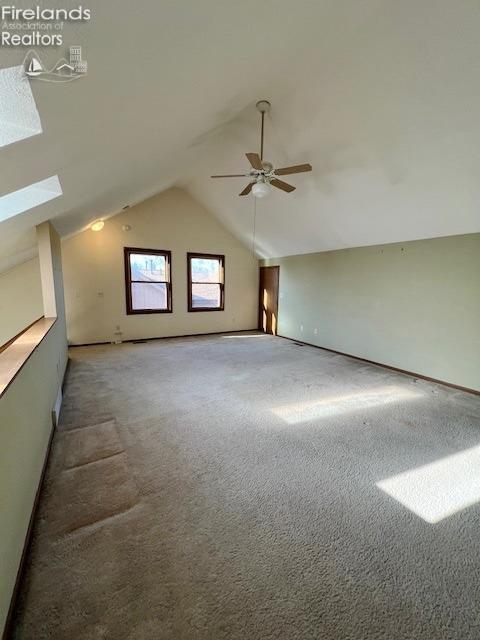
(231, 175)
(284, 186)
(247, 189)
(255, 160)
(298, 168)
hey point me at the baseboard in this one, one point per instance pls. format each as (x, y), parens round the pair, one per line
(185, 335)
(28, 537)
(387, 366)
(65, 375)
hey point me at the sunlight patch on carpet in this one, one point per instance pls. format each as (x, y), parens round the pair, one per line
(298, 412)
(248, 335)
(440, 489)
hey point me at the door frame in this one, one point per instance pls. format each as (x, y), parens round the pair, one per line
(276, 268)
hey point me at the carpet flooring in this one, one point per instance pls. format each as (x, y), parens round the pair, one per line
(239, 487)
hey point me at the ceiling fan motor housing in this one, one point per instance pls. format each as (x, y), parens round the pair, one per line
(267, 166)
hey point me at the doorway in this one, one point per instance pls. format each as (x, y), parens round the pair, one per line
(268, 300)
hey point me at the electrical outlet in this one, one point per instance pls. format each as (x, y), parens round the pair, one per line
(301, 328)
(315, 331)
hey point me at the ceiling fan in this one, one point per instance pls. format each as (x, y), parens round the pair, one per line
(262, 174)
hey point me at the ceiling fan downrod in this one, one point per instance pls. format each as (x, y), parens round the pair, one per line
(264, 107)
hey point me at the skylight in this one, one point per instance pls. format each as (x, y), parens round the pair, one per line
(19, 117)
(24, 199)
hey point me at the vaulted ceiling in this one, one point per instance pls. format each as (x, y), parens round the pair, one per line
(381, 97)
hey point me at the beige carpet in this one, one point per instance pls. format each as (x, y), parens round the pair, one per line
(226, 488)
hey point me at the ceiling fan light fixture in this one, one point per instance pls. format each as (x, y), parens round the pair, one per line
(261, 189)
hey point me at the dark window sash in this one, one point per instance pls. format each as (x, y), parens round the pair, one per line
(190, 282)
(128, 251)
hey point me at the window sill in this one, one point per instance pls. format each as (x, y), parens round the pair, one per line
(142, 312)
(13, 358)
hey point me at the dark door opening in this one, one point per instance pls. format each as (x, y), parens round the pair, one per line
(268, 300)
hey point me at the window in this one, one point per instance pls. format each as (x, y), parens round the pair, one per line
(206, 282)
(148, 281)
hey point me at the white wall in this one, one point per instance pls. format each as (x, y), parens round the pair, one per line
(413, 305)
(20, 299)
(25, 426)
(94, 273)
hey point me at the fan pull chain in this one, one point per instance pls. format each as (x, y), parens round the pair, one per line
(254, 224)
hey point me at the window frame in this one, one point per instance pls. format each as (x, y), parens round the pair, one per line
(127, 252)
(215, 256)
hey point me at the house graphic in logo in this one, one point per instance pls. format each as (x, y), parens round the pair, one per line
(64, 67)
(63, 71)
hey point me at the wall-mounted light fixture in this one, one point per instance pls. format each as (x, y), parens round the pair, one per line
(97, 225)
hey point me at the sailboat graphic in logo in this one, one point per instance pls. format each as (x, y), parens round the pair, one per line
(63, 71)
(35, 67)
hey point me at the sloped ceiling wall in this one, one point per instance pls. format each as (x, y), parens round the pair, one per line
(381, 97)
